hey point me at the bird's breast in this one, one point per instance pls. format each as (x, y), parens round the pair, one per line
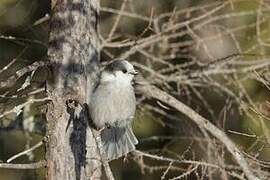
(112, 102)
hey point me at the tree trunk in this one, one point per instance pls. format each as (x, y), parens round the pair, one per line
(72, 152)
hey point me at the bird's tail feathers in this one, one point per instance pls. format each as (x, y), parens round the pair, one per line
(117, 142)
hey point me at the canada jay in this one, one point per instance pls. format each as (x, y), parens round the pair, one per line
(112, 109)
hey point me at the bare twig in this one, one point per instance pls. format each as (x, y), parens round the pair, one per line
(35, 165)
(188, 172)
(116, 22)
(160, 158)
(25, 152)
(154, 92)
(18, 108)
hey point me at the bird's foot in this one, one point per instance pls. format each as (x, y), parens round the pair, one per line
(125, 158)
(100, 130)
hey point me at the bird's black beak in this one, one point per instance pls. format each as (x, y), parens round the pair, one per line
(134, 72)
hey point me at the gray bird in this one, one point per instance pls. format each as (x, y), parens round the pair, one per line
(112, 109)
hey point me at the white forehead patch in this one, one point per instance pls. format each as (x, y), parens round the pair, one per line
(128, 66)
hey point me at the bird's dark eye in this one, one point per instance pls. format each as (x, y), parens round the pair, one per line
(124, 71)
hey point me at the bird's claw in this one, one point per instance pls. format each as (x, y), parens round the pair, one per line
(100, 130)
(125, 158)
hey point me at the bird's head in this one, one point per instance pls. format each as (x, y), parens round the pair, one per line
(120, 70)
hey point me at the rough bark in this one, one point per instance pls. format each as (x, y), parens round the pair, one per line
(72, 152)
